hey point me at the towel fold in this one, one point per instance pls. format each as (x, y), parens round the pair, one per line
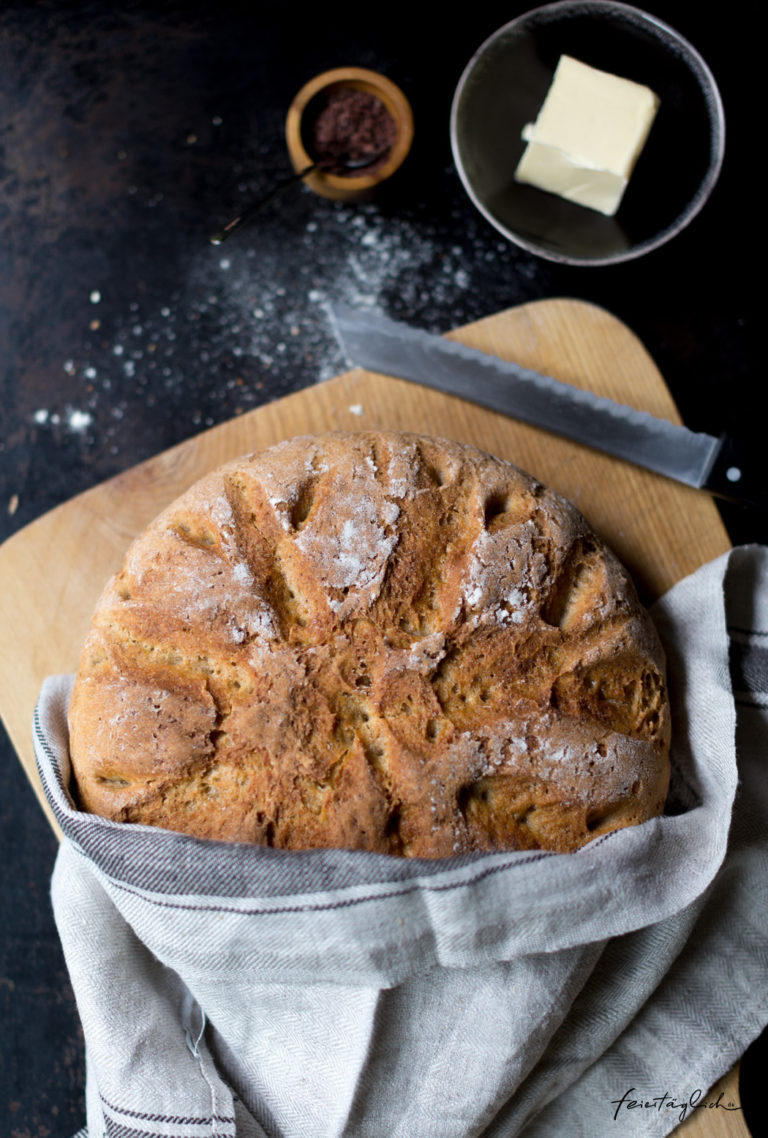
(229, 990)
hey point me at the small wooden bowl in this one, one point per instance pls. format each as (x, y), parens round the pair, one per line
(353, 186)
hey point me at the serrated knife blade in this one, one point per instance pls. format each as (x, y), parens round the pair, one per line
(377, 343)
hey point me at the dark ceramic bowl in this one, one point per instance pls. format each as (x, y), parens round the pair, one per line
(503, 87)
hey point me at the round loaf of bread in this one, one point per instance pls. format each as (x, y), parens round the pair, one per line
(376, 641)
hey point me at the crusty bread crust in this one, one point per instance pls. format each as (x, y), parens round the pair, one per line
(377, 641)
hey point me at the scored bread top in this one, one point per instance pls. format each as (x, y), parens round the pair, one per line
(377, 641)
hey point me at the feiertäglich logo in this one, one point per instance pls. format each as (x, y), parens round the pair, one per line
(631, 1100)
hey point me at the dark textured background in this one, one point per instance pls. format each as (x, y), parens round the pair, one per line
(129, 132)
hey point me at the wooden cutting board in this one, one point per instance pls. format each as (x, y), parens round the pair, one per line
(52, 572)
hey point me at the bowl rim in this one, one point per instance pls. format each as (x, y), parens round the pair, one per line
(690, 55)
(395, 101)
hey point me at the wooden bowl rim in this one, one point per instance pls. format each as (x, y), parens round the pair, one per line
(359, 78)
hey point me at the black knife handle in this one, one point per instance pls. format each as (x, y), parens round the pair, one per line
(738, 475)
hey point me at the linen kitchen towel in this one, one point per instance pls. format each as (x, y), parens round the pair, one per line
(228, 990)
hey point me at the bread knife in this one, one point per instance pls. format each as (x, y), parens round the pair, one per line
(718, 465)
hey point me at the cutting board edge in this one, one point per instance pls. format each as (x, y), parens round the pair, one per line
(132, 473)
(170, 453)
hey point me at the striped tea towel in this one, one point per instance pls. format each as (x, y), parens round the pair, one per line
(229, 990)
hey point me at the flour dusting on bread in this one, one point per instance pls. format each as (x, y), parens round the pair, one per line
(377, 641)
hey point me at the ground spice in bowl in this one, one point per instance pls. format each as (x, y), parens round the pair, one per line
(348, 130)
(351, 125)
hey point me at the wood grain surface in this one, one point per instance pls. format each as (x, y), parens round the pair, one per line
(51, 572)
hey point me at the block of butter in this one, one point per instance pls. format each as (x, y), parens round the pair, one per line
(588, 135)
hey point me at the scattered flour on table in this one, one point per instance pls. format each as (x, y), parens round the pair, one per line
(253, 323)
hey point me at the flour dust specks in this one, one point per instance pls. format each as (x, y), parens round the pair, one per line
(215, 333)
